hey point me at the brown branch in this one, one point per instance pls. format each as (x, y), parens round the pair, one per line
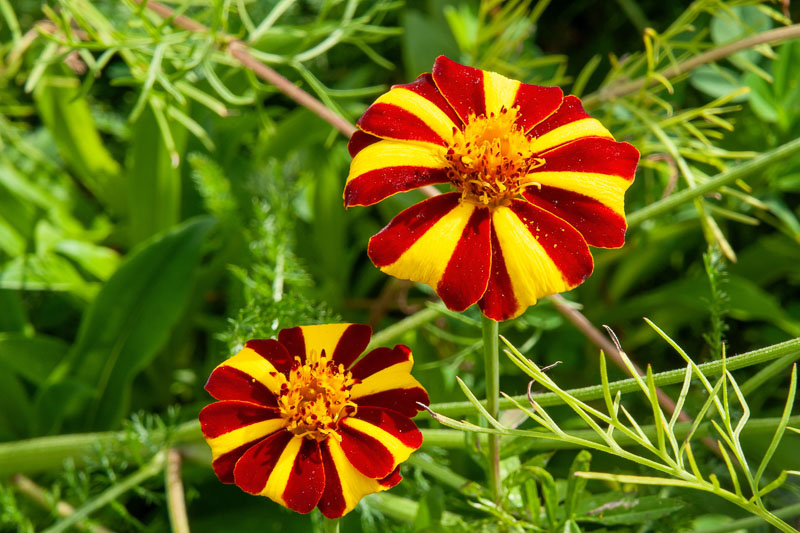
(622, 88)
(601, 341)
(238, 50)
(176, 501)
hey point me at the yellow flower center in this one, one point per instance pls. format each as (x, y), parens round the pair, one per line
(316, 396)
(490, 159)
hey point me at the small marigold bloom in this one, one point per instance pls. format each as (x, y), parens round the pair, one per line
(301, 422)
(537, 181)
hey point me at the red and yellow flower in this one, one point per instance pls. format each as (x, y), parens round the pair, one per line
(302, 422)
(537, 181)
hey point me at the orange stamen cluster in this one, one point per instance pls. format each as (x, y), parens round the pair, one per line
(316, 396)
(490, 159)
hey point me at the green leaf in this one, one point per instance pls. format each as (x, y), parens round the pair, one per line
(153, 182)
(735, 23)
(67, 117)
(33, 358)
(430, 510)
(131, 318)
(575, 484)
(716, 81)
(618, 509)
(15, 406)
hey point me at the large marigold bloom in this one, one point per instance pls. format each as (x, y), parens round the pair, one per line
(301, 422)
(537, 181)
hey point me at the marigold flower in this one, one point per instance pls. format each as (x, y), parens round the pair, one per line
(301, 422)
(537, 181)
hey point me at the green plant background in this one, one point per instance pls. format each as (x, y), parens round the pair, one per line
(160, 205)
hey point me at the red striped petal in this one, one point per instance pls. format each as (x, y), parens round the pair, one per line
(379, 359)
(307, 480)
(467, 273)
(367, 454)
(332, 503)
(570, 111)
(592, 154)
(274, 352)
(403, 401)
(565, 246)
(404, 229)
(360, 140)
(375, 185)
(425, 87)
(292, 339)
(536, 103)
(227, 383)
(462, 87)
(392, 479)
(224, 464)
(390, 121)
(352, 343)
(397, 425)
(223, 417)
(256, 465)
(498, 302)
(599, 225)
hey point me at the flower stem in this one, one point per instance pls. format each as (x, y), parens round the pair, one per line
(491, 354)
(749, 168)
(330, 525)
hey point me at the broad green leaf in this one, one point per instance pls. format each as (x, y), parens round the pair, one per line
(12, 318)
(153, 182)
(716, 81)
(44, 272)
(735, 23)
(15, 407)
(621, 509)
(132, 316)
(98, 261)
(33, 358)
(66, 116)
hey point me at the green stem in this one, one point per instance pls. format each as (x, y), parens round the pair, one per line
(330, 525)
(669, 377)
(491, 352)
(744, 170)
(437, 471)
(109, 495)
(751, 522)
(387, 335)
(48, 453)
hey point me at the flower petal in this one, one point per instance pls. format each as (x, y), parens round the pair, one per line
(285, 468)
(368, 454)
(251, 363)
(441, 242)
(402, 400)
(567, 124)
(541, 254)
(344, 342)
(536, 103)
(599, 224)
(274, 352)
(462, 87)
(375, 440)
(231, 428)
(360, 140)
(415, 112)
(228, 383)
(384, 369)
(390, 167)
(344, 484)
(584, 182)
